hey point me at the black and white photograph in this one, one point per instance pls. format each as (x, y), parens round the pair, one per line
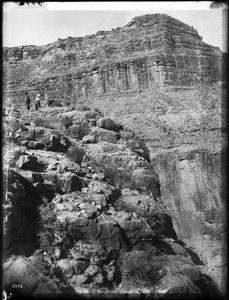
(114, 147)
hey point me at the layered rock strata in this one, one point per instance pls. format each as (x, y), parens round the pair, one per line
(150, 51)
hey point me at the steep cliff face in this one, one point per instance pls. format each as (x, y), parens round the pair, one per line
(152, 50)
(193, 193)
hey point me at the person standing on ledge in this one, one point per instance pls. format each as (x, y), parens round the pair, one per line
(37, 101)
(27, 100)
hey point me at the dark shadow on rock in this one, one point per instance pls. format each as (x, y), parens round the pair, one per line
(169, 230)
(209, 288)
(193, 255)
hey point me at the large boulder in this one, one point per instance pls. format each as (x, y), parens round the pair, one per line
(28, 162)
(102, 187)
(35, 145)
(109, 124)
(55, 144)
(21, 276)
(47, 189)
(144, 206)
(135, 228)
(105, 135)
(68, 182)
(109, 232)
(79, 129)
(146, 180)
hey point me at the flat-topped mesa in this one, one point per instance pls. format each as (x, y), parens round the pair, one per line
(150, 51)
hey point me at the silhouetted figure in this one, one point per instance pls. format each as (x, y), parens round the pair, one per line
(27, 100)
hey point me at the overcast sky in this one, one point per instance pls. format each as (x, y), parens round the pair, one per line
(40, 25)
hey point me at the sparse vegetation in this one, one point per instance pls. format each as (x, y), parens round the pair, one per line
(76, 153)
(141, 268)
(52, 232)
(66, 122)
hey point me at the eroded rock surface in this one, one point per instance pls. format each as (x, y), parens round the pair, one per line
(86, 208)
(109, 196)
(124, 58)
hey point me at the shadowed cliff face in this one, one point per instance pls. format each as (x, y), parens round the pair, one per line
(192, 190)
(150, 51)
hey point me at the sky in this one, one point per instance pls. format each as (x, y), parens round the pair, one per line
(40, 25)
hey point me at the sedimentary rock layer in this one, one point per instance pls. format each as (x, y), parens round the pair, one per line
(151, 50)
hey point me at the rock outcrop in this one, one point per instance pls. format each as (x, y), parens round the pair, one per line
(150, 51)
(78, 217)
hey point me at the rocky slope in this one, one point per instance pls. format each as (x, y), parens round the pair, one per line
(156, 76)
(83, 215)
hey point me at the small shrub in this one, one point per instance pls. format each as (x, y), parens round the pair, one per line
(57, 103)
(141, 268)
(51, 227)
(66, 122)
(85, 108)
(76, 154)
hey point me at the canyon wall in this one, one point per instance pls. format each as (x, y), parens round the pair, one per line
(150, 51)
(193, 191)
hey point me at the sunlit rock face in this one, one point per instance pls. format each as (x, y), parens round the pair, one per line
(150, 51)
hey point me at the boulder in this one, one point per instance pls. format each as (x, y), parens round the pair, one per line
(67, 266)
(79, 279)
(178, 249)
(47, 189)
(79, 130)
(11, 156)
(146, 180)
(98, 279)
(75, 131)
(146, 207)
(32, 282)
(92, 270)
(97, 186)
(79, 226)
(88, 139)
(35, 145)
(80, 266)
(69, 165)
(105, 135)
(91, 210)
(31, 176)
(54, 144)
(69, 182)
(134, 229)
(109, 233)
(76, 254)
(192, 272)
(109, 124)
(28, 162)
